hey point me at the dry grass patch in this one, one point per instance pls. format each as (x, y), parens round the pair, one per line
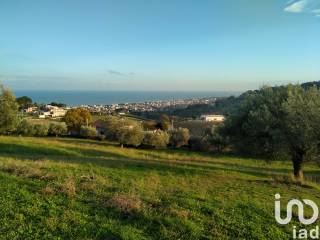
(177, 212)
(125, 203)
(48, 190)
(68, 187)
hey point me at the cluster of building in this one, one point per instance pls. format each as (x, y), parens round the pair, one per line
(147, 106)
(48, 111)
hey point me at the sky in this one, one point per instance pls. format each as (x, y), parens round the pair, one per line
(153, 45)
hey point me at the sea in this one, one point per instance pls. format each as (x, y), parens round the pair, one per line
(77, 98)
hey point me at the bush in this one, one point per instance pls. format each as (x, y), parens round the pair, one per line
(216, 138)
(25, 128)
(56, 129)
(88, 132)
(40, 130)
(111, 124)
(77, 117)
(179, 137)
(129, 133)
(199, 144)
(9, 115)
(156, 139)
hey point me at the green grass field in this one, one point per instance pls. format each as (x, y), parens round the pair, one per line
(63, 188)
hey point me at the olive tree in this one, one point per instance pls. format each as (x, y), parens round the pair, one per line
(9, 111)
(40, 130)
(280, 122)
(88, 132)
(128, 133)
(156, 139)
(179, 137)
(57, 129)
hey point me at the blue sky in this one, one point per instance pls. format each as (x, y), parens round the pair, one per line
(210, 45)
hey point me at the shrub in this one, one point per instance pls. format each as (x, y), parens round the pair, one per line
(56, 129)
(199, 144)
(124, 203)
(179, 137)
(218, 141)
(111, 123)
(129, 133)
(9, 117)
(25, 128)
(40, 130)
(156, 139)
(88, 132)
(77, 117)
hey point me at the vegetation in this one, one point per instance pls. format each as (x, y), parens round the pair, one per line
(40, 130)
(88, 132)
(164, 123)
(9, 117)
(25, 128)
(63, 188)
(197, 128)
(278, 122)
(77, 117)
(156, 139)
(24, 102)
(129, 133)
(179, 137)
(57, 129)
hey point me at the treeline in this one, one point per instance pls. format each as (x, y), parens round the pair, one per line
(25, 102)
(125, 131)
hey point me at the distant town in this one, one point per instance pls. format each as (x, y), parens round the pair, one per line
(54, 111)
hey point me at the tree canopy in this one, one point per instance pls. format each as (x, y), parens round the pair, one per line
(77, 117)
(280, 122)
(9, 111)
(24, 102)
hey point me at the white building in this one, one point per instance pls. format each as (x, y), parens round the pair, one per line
(212, 118)
(52, 111)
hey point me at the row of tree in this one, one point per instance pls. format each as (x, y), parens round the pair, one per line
(124, 131)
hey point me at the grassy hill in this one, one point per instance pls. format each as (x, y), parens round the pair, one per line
(59, 188)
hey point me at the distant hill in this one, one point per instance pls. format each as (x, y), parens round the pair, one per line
(310, 84)
(223, 105)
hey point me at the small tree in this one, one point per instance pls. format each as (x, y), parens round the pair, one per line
(216, 139)
(77, 117)
(156, 139)
(57, 129)
(179, 137)
(9, 111)
(281, 121)
(164, 123)
(129, 133)
(25, 128)
(24, 102)
(88, 132)
(111, 124)
(197, 143)
(40, 130)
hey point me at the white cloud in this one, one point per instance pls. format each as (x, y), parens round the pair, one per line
(296, 7)
(303, 6)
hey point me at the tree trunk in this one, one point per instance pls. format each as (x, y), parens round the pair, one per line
(297, 161)
(121, 145)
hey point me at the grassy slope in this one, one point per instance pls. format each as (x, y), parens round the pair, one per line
(80, 189)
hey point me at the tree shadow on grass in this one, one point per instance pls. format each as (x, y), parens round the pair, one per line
(114, 160)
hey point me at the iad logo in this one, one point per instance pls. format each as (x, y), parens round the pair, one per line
(300, 206)
(298, 233)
